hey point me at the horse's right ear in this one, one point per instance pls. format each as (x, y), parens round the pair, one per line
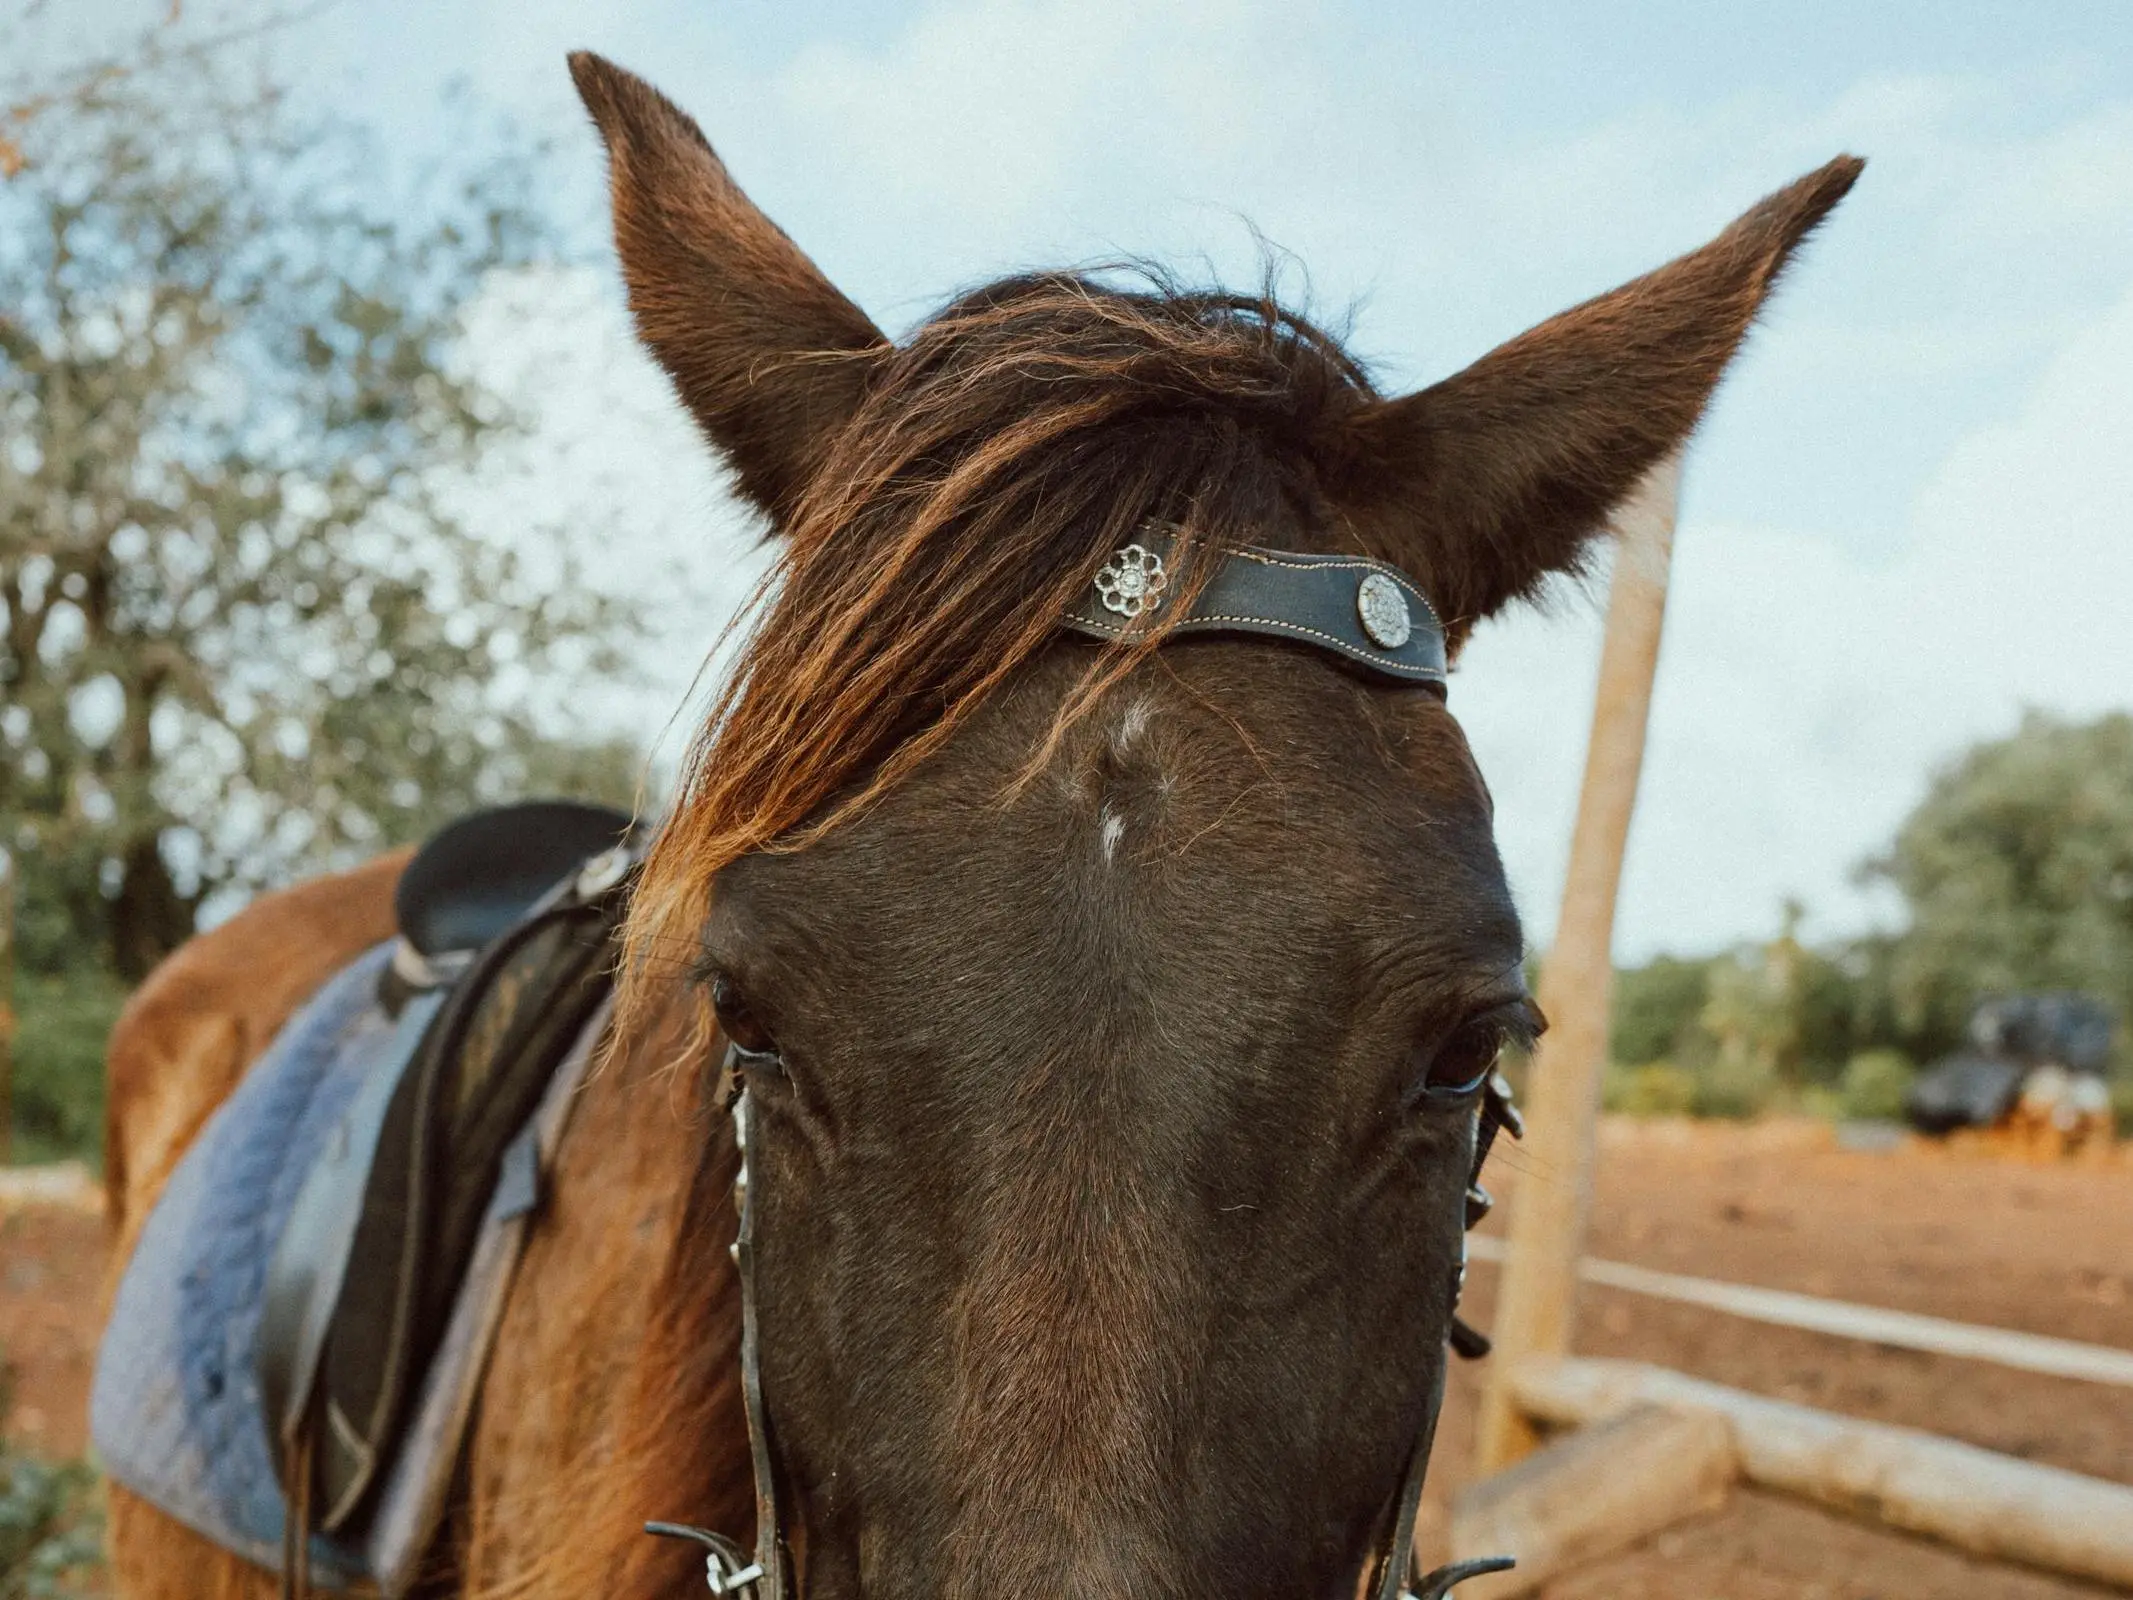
(1486, 483)
(761, 347)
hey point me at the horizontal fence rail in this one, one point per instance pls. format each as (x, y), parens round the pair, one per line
(1906, 1330)
(1990, 1504)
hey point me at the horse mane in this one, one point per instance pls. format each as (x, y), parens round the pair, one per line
(1018, 438)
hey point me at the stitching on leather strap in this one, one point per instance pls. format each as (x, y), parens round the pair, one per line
(1386, 659)
(1267, 558)
(1287, 626)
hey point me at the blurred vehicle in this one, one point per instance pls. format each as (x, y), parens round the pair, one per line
(2034, 1067)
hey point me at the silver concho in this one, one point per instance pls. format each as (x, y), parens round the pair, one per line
(1383, 608)
(1131, 581)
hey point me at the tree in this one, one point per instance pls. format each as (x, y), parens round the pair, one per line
(1757, 1024)
(243, 630)
(2017, 869)
(1658, 1010)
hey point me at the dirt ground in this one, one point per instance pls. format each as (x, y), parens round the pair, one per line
(51, 1283)
(1964, 1235)
(2046, 1249)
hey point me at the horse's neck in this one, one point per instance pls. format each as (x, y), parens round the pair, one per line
(611, 1397)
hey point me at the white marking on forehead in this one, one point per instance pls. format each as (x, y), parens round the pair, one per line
(1130, 729)
(1132, 723)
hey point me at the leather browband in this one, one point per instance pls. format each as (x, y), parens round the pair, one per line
(1366, 612)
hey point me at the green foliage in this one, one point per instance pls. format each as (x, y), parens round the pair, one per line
(1656, 1089)
(51, 1529)
(1833, 1013)
(1779, 1014)
(244, 633)
(1658, 1009)
(1752, 1018)
(59, 1062)
(2017, 870)
(1738, 1086)
(1874, 1086)
(1714, 1087)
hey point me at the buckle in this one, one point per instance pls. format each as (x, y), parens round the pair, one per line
(728, 1569)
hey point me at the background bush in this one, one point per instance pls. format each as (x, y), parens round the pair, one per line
(1656, 1089)
(1875, 1083)
(59, 1062)
(51, 1529)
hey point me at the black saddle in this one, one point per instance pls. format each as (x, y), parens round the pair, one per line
(475, 877)
(508, 921)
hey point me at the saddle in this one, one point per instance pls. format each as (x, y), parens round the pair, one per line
(507, 926)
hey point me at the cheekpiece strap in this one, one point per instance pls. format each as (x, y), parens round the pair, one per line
(1366, 612)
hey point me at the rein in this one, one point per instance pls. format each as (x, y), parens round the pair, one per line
(1372, 617)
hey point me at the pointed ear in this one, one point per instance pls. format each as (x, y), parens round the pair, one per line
(760, 346)
(1488, 482)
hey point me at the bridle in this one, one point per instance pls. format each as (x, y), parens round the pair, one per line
(1370, 616)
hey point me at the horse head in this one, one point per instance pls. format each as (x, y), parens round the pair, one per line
(1114, 1018)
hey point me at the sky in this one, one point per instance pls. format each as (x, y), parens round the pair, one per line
(1907, 519)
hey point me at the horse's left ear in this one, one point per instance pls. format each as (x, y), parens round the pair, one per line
(761, 347)
(1485, 484)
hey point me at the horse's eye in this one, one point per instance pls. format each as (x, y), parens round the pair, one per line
(738, 1021)
(1465, 1059)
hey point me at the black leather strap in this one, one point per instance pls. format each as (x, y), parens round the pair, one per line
(1365, 612)
(769, 1527)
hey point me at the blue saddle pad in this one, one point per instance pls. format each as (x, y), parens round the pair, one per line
(176, 1412)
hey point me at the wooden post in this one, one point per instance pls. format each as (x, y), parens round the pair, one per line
(1537, 1297)
(1591, 1493)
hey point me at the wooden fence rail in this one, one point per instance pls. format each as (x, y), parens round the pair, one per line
(1906, 1330)
(1977, 1500)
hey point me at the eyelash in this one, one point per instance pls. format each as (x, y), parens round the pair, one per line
(1506, 1027)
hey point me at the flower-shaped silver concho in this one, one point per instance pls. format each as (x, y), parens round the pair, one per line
(1383, 610)
(1131, 581)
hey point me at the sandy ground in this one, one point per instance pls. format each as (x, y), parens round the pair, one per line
(2047, 1249)
(2004, 1243)
(51, 1287)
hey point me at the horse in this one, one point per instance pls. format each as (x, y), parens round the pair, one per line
(1111, 1013)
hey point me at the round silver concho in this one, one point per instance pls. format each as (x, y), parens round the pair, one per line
(1131, 581)
(1383, 608)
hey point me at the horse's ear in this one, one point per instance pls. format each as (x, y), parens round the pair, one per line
(1485, 484)
(761, 347)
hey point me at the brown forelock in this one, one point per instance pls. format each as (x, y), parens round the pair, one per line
(1021, 436)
